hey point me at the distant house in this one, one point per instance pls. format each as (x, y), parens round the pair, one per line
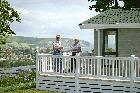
(116, 32)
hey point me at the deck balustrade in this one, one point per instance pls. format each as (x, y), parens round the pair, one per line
(89, 66)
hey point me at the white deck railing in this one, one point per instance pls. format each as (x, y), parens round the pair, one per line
(90, 66)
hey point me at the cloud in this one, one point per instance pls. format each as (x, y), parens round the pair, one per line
(51, 19)
(46, 18)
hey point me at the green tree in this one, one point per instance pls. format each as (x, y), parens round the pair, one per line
(102, 5)
(7, 16)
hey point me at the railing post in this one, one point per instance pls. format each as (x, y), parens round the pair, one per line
(113, 63)
(132, 74)
(36, 58)
(98, 65)
(37, 69)
(43, 61)
(77, 74)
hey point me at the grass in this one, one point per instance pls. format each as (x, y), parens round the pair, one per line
(30, 91)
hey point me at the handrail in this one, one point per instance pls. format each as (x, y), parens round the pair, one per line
(91, 66)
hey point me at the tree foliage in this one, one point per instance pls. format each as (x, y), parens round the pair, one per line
(7, 16)
(102, 5)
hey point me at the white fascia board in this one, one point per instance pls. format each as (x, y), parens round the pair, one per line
(105, 26)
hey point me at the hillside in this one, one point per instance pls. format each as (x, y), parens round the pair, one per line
(32, 42)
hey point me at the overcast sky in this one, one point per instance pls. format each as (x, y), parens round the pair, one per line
(46, 18)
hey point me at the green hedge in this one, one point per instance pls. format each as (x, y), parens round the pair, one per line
(20, 78)
(9, 64)
(20, 86)
(21, 81)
